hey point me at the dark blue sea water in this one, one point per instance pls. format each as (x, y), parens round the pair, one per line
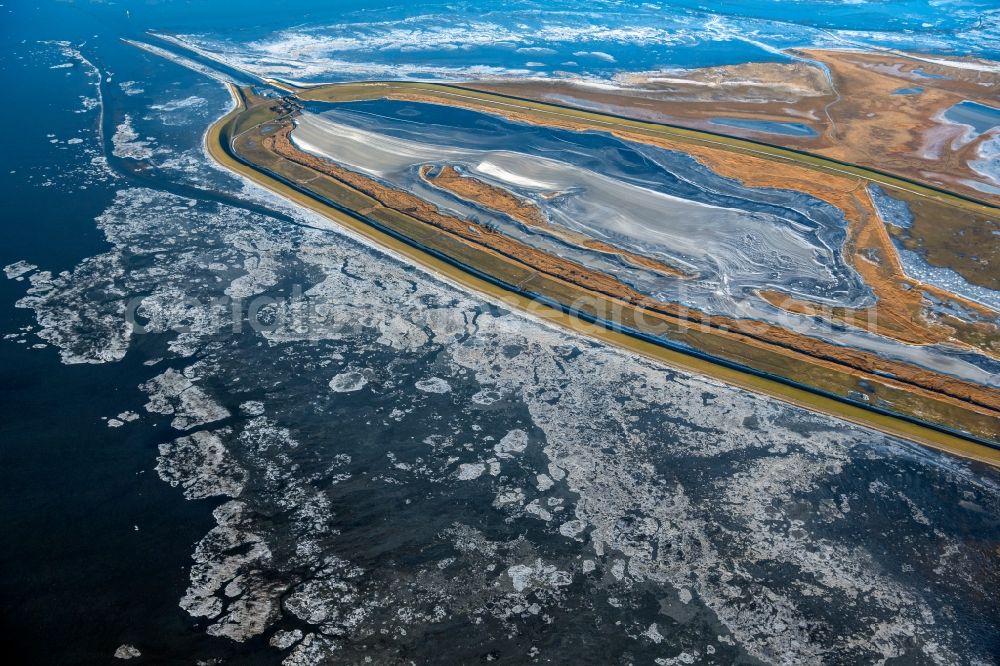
(368, 462)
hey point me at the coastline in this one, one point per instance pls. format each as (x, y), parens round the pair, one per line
(813, 401)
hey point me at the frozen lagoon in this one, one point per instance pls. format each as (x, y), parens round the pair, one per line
(734, 240)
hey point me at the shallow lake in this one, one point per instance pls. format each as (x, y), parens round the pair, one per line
(766, 126)
(980, 117)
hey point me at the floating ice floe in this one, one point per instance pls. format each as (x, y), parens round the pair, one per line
(470, 471)
(539, 574)
(173, 393)
(433, 385)
(486, 397)
(252, 407)
(346, 382)
(18, 269)
(127, 144)
(202, 465)
(130, 88)
(127, 652)
(513, 442)
(572, 528)
(180, 104)
(285, 639)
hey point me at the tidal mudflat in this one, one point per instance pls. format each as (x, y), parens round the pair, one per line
(676, 210)
(730, 242)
